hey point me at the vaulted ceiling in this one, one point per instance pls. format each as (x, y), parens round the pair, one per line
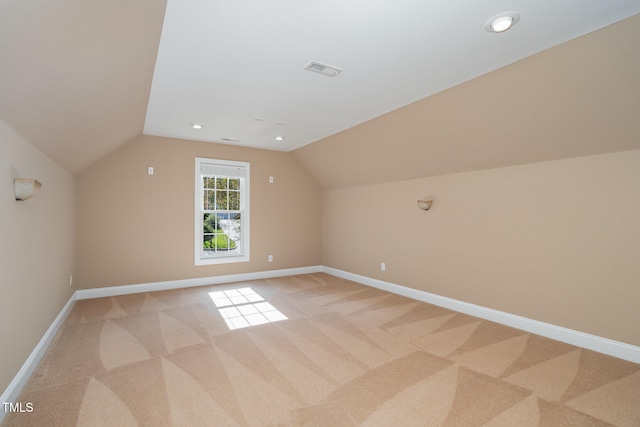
(80, 78)
(76, 75)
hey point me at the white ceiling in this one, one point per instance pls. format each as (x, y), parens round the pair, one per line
(225, 63)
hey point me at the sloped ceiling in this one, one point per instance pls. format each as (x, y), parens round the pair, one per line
(222, 64)
(81, 78)
(577, 99)
(75, 75)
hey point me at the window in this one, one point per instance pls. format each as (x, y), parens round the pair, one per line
(222, 211)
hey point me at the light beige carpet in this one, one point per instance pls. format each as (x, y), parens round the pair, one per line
(345, 355)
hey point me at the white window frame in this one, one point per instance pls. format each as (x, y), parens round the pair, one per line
(201, 258)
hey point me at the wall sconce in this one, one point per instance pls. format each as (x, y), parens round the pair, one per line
(425, 205)
(25, 188)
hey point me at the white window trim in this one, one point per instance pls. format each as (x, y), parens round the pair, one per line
(244, 203)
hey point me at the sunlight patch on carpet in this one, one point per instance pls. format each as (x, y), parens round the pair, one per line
(242, 308)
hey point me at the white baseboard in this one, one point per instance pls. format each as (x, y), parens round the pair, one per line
(30, 365)
(592, 342)
(188, 283)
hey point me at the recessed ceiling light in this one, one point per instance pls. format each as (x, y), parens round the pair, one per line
(279, 138)
(196, 126)
(502, 22)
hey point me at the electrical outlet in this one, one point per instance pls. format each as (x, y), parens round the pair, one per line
(270, 180)
(270, 258)
(70, 280)
(383, 266)
(150, 170)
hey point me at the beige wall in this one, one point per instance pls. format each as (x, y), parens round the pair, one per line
(36, 250)
(556, 241)
(136, 228)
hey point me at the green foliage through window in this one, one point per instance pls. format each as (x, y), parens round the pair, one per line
(220, 242)
(222, 196)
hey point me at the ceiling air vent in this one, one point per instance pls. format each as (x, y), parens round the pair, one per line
(324, 69)
(229, 140)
